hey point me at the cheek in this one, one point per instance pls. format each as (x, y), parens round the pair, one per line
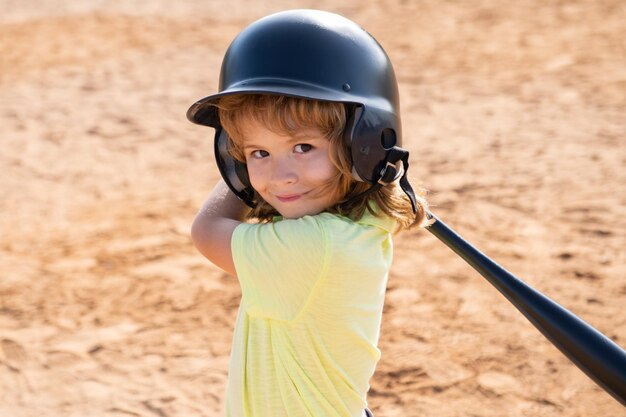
(323, 168)
(256, 174)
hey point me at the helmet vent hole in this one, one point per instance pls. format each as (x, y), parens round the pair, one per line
(388, 138)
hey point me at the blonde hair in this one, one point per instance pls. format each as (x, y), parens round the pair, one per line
(289, 115)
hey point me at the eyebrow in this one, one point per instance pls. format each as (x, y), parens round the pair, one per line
(298, 138)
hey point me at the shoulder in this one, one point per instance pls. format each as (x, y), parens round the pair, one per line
(278, 264)
(304, 240)
(284, 230)
(308, 233)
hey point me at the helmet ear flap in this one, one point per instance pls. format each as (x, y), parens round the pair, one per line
(371, 137)
(234, 172)
(354, 115)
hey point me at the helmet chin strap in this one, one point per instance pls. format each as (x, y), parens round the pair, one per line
(389, 174)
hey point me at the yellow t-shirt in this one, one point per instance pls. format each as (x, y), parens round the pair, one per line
(305, 341)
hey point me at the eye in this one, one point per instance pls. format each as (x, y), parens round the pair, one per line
(259, 154)
(302, 148)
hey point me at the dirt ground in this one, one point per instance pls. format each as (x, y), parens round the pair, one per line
(515, 116)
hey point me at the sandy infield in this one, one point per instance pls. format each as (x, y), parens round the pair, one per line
(515, 116)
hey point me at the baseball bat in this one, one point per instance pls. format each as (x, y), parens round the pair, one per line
(594, 353)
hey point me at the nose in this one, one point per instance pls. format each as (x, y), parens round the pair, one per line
(284, 171)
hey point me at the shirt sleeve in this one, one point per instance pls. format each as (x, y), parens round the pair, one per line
(279, 264)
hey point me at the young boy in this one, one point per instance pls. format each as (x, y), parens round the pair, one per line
(307, 141)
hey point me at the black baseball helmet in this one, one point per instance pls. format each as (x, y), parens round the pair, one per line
(315, 55)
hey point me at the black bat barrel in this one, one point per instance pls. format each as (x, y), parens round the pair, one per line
(594, 353)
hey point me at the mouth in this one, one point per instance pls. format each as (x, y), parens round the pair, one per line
(286, 198)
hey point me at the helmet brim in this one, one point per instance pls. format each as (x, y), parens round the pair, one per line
(204, 111)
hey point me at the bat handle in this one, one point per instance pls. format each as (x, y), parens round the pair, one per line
(594, 353)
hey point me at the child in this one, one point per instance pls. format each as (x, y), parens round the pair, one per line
(307, 136)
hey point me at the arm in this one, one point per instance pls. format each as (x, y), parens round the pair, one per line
(214, 224)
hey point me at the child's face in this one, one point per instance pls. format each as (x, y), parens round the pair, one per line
(291, 173)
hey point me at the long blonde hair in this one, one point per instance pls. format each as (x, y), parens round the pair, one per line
(288, 115)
